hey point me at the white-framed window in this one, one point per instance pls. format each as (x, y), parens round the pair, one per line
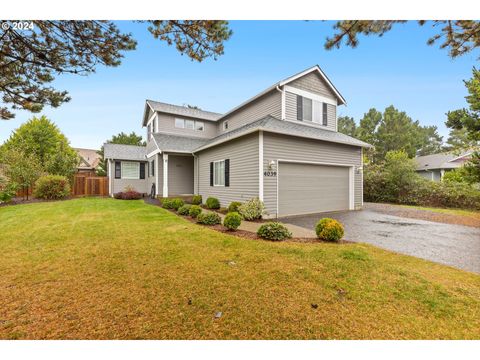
(199, 126)
(311, 110)
(179, 123)
(189, 124)
(219, 173)
(130, 170)
(225, 125)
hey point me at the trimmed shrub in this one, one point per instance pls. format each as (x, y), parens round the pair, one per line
(184, 210)
(329, 229)
(174, 204)
(194, 211)
(252, 209)
(197, 200)
(128, 195)
(274, 231)
(232, 220)
(209, 218)
(212, 203)
(234, 205)
(52, 187)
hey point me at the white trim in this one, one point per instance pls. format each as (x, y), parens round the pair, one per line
(110, 180)
(322, 74)
(260, 165)
(214, 162)
(157, 161)
(154, 152)
(310, 95)
(145, 112)
(351, 178)
(361, 172)
(165, 175)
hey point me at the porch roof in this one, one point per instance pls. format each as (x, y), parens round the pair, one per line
(181, 144)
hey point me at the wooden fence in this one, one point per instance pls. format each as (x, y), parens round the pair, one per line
(90, 185)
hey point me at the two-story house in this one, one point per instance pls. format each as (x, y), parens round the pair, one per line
(282, 146)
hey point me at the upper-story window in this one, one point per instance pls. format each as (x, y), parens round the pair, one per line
(225, 125)
(189, 124)
(312, 110)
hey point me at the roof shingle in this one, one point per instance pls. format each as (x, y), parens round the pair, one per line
(124, 152)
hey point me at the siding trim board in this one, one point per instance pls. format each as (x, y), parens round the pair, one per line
(260, 165)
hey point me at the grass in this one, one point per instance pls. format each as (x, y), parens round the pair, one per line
(111, 269)
(460, 212)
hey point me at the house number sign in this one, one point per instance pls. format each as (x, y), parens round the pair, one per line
(270, 173)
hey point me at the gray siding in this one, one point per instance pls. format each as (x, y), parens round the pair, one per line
(314, 83)
(119, 185)
(166, 123)
(268, 104)
(243, 155)
(434, 175)
(150, 179)
(291, 112)
(300, 149)
(180, 175)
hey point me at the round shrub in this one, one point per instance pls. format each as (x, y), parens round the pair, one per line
(174, 204)
(232, 220)
(52, 187)
(197, 200)
(233, 207)
(212, 203)
(252, 209)
(127, 195)
(194, 211)
(209, 218)
(184, 210)
(274, 231)
(329, 229)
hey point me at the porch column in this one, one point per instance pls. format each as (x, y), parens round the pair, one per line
(165, 175)
(157, 166)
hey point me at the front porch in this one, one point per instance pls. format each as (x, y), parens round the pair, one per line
(174, 175)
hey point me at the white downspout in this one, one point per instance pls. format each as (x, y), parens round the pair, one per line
(165, 175)
(260, 165)
(282, 91)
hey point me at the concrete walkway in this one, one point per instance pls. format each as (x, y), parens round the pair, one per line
(297, 231)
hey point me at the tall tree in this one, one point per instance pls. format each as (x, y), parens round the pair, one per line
(459, 37)
(458, 140)
(31, 58)
(41, 140)
(121, 138)
(430, 142)
(347, 126)
(369, 125)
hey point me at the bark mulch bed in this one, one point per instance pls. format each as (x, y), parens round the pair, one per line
(427, 215)
(20, 201)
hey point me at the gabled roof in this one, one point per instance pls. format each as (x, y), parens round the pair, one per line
(174, 143)
(179, 111)
(124, 152)
(271, 124)
(316, 68)
(440, 161)
(89, 158)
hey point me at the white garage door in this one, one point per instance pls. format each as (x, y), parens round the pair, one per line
(307, 188)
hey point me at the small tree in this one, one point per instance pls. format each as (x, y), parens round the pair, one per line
(399, 173)
(22, 169)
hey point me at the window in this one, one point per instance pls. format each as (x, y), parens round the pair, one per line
(130, 170)
(151, 168)
(189, 124)
(199, 125)
(311, 110)
(219, 173)
(225, 125)
(180, 123)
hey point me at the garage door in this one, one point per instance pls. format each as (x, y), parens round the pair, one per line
(305, 188)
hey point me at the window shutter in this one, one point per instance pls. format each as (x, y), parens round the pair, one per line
(142, 170)
(227, 172)
(299, 108)
(211, 174)
(325, 114)
(153, 167)
(118, 170)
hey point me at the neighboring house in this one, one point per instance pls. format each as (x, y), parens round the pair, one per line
(433, 167)
(88, 161)
(282, 146)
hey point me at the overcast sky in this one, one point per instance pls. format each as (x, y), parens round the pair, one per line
(398, 69)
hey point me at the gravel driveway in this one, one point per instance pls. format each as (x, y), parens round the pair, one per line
(454, 245)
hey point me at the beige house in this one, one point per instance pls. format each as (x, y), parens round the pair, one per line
(282, 146)
(89, 160)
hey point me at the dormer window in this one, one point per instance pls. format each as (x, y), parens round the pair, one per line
(189, 124)
(311, 110)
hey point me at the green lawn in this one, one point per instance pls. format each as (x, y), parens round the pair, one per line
(111, 269)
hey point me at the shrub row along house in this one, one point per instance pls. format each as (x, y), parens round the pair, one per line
(282, 146)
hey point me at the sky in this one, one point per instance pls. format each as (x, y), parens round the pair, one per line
(398, 69)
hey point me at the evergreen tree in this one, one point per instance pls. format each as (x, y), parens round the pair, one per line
(347, 126)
